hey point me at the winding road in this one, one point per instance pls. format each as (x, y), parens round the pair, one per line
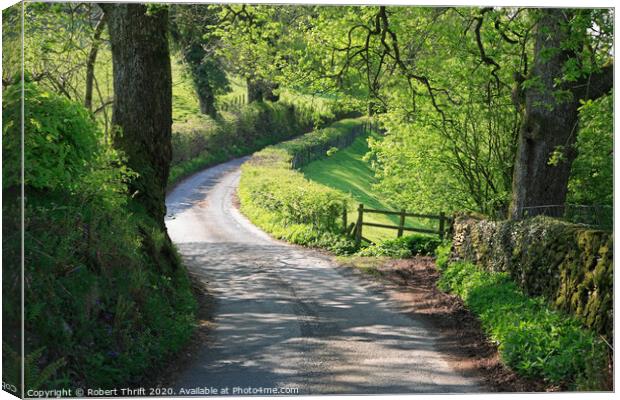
(287, 317)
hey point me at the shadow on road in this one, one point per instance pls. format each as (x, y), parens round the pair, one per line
(286, 319)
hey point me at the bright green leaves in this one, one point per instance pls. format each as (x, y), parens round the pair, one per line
(592, 171)
(533, 339)
(62, 147)
(60, 139)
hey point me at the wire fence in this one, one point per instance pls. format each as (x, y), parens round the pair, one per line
(597, 216)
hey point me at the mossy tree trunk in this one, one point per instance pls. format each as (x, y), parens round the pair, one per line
(551, 116)
(143, 99)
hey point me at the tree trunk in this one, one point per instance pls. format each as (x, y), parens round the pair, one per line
(143, 99)
(260, 89)
(90, 63)
(550, 123)
(207, 101)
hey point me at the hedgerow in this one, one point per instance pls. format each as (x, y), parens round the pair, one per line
(200, 142)
(281, 201)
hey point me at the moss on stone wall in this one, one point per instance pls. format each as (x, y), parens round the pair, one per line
(570, 265)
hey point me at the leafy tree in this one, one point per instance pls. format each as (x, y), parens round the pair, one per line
(572, 63)
(251, 38)
(11, 44)
(467, 74)
(423, 67)
(192, 28)
(592, 171)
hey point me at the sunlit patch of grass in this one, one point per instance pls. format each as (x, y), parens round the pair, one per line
(185, 104)
(347, 171)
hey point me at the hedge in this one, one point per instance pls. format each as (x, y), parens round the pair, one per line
(280, 200)
(202, 141)
(569, 265)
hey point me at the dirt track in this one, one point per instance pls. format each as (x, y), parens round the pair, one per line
(288, 317)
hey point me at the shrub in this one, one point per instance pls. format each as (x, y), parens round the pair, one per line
(442, 254)
(535, 341)
(60, 140)
(395, 248)
(102, 308)
(403, 247)
(332, 150)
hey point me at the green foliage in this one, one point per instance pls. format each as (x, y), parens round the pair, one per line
(533, 340)
(349, 171)
(200, 142)
(591, 180)
(286, 192)
(101, 300)
(60, 144)
(569, 265)
(281, 201)
(394, 248)
(191, 32)
(442, 254)
(403, 247)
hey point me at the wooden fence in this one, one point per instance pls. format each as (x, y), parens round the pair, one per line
(355, 229)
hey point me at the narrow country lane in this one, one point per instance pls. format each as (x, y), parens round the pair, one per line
(286, 316)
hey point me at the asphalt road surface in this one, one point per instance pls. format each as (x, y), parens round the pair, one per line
(287, 317)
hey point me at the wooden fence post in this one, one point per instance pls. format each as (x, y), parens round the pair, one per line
(442, 218)
(358, 225)
(401, 225)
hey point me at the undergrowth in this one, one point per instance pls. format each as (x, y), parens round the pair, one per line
(403, 247)
(533, 339)
(107, 298)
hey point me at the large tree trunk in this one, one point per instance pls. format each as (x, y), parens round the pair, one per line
(550, 123)
(143, 99)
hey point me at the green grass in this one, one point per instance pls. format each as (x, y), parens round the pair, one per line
(347, 171)
(238, 89)
(184, 99)
(281, 201)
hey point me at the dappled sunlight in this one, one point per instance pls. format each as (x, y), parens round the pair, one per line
(279, 309)
(284, 316)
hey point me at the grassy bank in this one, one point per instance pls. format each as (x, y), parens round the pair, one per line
(347, 171)
(201, 142)
(281, 201)
(108, 299)
(533, 339)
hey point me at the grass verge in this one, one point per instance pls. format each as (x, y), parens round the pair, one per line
(281, 201)
(533, 339)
